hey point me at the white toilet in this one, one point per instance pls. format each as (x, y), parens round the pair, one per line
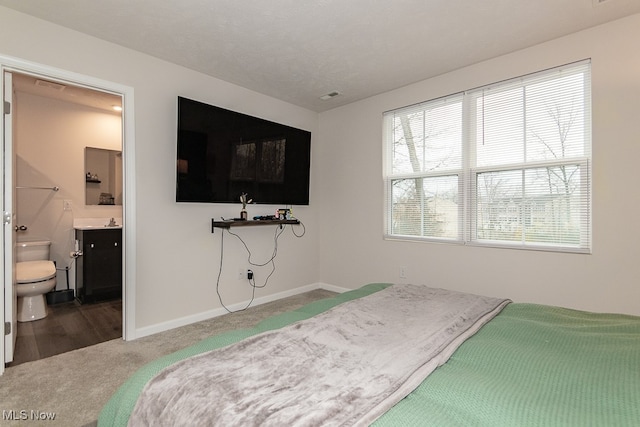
(35, 276)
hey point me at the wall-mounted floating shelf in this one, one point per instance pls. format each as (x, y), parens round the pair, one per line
(228, 224)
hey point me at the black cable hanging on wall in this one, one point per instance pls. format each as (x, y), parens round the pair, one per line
(252, 280)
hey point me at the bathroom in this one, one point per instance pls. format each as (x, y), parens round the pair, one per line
(60, 133)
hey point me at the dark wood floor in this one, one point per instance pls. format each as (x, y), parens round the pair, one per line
(68, 326)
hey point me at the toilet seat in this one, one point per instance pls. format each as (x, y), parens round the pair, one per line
(34, 271)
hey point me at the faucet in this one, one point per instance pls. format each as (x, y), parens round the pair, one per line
(112, 223)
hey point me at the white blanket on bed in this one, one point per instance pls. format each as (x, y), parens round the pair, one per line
(343, 367)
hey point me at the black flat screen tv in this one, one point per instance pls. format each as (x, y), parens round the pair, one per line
(222, 154)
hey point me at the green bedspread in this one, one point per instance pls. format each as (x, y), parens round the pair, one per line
(531, 365)
(534, 365)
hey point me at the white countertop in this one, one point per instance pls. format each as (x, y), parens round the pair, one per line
(95, 223)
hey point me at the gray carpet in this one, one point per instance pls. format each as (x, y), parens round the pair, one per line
(75, 386)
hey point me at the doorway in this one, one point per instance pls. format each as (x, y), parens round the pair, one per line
(57, 128)
(96, 89)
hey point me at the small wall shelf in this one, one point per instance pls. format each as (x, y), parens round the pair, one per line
(228, 224)
(97, 181)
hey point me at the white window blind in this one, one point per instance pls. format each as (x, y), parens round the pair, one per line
(502, 165)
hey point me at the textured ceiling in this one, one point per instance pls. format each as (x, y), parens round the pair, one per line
(299, 50)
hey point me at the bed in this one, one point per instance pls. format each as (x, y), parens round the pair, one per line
(520, 364)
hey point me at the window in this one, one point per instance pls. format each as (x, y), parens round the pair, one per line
(503, 165)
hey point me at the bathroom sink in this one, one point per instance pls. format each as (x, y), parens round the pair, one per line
(95, 223)
(94, 227)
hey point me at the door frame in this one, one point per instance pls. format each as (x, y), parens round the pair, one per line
(8, 161)
(17, 65)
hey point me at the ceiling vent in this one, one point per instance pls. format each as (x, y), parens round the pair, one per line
(330, 95)
(51, 85)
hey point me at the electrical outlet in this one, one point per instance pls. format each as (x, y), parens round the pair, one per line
(67, 205)
(242, 273)
(403, 272)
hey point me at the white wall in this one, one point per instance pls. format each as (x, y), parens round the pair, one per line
(51, 137)
(177, 256)
(352, 251)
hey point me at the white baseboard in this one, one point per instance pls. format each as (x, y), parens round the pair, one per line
(187, 320)
(332, 288)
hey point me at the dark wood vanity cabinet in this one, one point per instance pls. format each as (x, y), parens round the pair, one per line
(99, 268)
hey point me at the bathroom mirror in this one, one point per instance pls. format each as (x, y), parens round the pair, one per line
(103, 176)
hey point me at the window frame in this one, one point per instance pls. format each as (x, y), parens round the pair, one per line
(468, 172)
